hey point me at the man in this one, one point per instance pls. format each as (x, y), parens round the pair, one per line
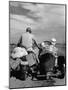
(27, 40)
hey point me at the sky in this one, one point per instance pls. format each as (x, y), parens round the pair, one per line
(46, 21)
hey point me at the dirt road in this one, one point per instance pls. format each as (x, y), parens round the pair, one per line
(15, 83)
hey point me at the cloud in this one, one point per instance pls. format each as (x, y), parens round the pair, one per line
(47, 14)
(46, 20)
(15, 4)
(19, 21)
(18, 25)
(21, 18)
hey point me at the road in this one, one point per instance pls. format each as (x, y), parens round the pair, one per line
(15, 83)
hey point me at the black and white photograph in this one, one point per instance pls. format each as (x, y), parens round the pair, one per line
(37, 44)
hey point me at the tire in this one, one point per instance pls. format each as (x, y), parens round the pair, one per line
(61, 68)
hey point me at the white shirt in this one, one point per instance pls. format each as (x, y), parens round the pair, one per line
(27, 40)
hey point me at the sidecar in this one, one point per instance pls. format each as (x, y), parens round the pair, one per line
(47, 67)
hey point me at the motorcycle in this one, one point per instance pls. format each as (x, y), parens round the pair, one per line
(45, 69)
(24, 63)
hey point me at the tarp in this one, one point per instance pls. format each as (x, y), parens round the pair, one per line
(19, 52)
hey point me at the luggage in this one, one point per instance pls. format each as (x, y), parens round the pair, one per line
(31, 58)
